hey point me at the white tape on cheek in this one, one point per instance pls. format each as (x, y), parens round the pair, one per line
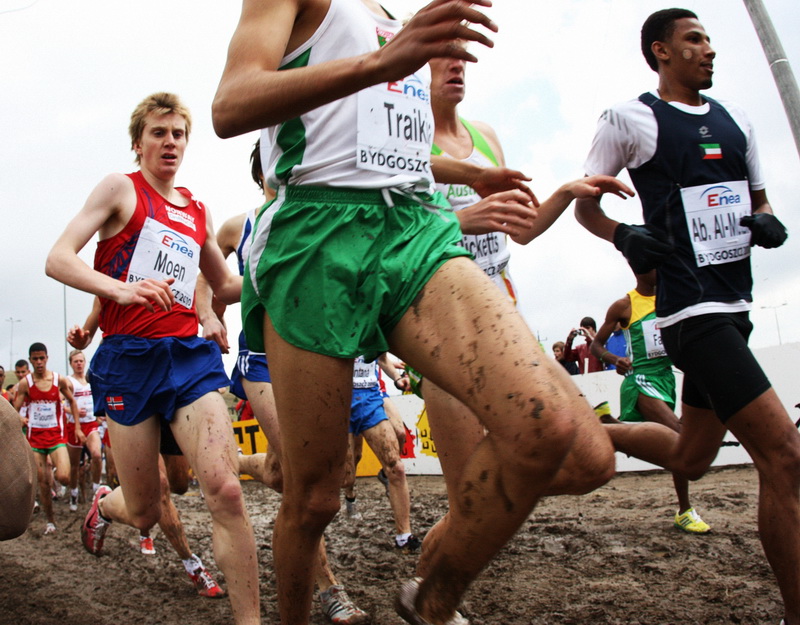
(687, 54)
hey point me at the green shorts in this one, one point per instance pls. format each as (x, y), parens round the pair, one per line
(336, 269)
(656, 385)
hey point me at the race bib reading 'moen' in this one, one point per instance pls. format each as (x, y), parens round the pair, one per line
(163, 253)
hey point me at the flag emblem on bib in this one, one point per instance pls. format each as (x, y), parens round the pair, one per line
(114, 402)
(711, 151)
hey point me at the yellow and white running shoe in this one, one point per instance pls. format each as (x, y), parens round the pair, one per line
(691, 523)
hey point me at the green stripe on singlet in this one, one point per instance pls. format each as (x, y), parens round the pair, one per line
(291, 137)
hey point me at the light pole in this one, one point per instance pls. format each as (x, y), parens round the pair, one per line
(11, 342)
(777, 325)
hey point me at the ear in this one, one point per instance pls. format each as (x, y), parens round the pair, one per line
(660, 50)
(137, 148)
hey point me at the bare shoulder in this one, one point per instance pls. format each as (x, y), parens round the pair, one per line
(492, 139)
(229, 233)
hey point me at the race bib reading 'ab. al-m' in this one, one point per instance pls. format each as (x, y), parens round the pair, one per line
(713, 212)
(163, 253)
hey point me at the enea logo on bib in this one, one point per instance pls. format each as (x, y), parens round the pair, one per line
(174, 241)
(411, 87)
(720, 196)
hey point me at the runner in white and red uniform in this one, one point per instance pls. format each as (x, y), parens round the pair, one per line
(88, 424)
(40, 392)
(151, 366)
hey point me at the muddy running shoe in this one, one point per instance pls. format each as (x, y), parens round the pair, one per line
(146, 545)
(73, 503)
(411, 544)
(351, 509)
(94, 527)
(405, 606)
(383, 479)
(35, 506)
(691, 523)
(205, 584)
(339, 608)
(50, 528)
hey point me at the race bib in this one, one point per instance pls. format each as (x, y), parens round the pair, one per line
(713, 212)
(42, 415)
(365, 375)
(652, 340)
(395, 128)
(163, 253)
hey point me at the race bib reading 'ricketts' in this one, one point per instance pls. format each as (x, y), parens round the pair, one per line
(395, 128)
(163, 253)
(713, 212)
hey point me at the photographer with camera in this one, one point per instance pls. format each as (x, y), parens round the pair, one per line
(587, 362)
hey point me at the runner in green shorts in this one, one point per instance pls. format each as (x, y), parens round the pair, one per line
(365, 265)
(648, 391)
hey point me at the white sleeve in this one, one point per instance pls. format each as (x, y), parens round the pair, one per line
(755, 173)
(626, 137)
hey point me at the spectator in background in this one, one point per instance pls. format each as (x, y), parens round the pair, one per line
(587, 362)
(558, 353)
(616, 345)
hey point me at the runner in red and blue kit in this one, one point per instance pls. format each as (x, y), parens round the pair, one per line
(152, 367)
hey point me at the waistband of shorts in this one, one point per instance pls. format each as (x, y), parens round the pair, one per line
(349, 195)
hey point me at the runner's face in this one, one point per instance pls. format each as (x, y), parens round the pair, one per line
(162, 145)
(78, 364)
(691, 54)
(448, 80)
(39, 361)
(21, 372)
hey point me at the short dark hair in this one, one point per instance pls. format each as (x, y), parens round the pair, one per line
(588, 322)
(37, 347)
(659, 27)
(255, 165)
(21, 363)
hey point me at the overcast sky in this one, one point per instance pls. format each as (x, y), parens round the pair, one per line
(73, 71)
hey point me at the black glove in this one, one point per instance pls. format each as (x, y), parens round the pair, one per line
(767, 230)
(645, 247)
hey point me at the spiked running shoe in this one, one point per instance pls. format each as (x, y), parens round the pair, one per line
(405, 605)
(94, 527)
(691, 523)
(146, 545)
(411, 545)
(205, 584)
(339, 608)
(73, 503)
(49, 529)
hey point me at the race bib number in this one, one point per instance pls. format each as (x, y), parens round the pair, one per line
(42, 415)
(652, 340)
(365, 375)
(395, 128)
(163, 253)
(712, 215)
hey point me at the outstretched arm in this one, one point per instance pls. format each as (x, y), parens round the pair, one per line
(590, 188)
(252, 94)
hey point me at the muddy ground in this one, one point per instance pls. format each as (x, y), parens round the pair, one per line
(611, 557)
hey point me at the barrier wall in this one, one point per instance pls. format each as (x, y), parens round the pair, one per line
(781, 363)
